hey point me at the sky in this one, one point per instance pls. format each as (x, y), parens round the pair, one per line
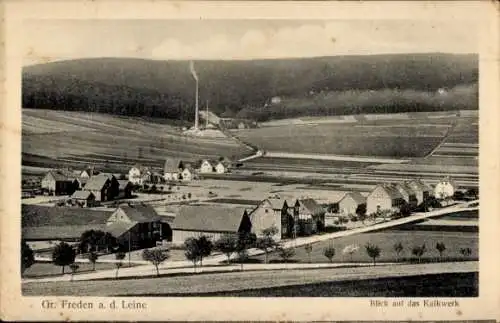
(52, 40)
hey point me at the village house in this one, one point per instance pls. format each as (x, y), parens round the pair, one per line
(421, 190)
(59, 182)
(105, 187)
(275, 213)
(138, 226)
(134, 227)
(138, 175)
(445, 188)
(408, 194)
(172, 169)
(83, 199)
(89, 172)
(349, 204)
(188, 173)
(212, 221)
(310, 215)
(124, 189)
(384, 197)
(222, 167)
(205, 167)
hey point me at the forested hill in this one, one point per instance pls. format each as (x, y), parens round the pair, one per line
(166, 88)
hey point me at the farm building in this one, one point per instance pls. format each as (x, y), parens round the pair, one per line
(222, 167)
(83, 199)
(81, 182)
(445, 188)
(205, 166)
(408, 194)
(140, 225)
(188, 173)
(350, 203)
(105, 187)
(422, 191)
(384, 197)
(89, 172)
(273, 212)
(173, 167)
(138, 175)
(58, 182)
(124, 189)
(311, 216)
(212, 221)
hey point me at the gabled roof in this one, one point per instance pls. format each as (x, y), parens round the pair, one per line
(209, 218)
(91, 171)
(82, 195)
(140, 213)
(417, 184)
(390, 190)
(123, 183)
(276, 203)
(97, 182)
(404, 189)
(172, 165)
(116, 229)
(356, 197)
(311, 205)
(189, 167)
(61, 176)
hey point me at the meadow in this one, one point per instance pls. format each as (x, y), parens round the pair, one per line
(401, 138)
(385, 240)
(92, 138)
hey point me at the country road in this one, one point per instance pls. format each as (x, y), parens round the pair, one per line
(145, 270)
(230, 281)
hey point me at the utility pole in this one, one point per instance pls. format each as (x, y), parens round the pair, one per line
(196, 107)
(129, 246)
(206, 117)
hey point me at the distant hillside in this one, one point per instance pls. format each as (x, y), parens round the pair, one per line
(233, 88)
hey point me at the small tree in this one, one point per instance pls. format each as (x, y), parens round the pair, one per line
(466, 252)
(329, 253)
(63, 255)
(27, 256)
(286, 253)
(361, 212)
(192, 252)
(205, 247)
(308, 248)
(74, 267)
(246, 240)
(267, 243)
(373, 252)
(419, 251)
(155, 256)
(119, 256)
(398, 247)
(227, 245)
(92, 257)
(440, 247)
(350, 250)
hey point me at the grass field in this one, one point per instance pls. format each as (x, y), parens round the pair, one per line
(105, 139)
(385, 240)
(399, 140)
(440, 285)
(46, 269)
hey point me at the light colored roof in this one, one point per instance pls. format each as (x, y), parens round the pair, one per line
(311, 206)
(418, 185)
(123, 183)
(61, 176)
(209, 218)
(116, 229)
(391, 190)
(81, 195)
(404, 189)
(97, 182)
(140, 213)
(356, 196)
(276, 203)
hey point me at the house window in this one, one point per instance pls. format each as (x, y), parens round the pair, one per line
(267, 211)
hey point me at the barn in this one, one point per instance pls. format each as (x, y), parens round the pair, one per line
(213, 221)
(58, 182)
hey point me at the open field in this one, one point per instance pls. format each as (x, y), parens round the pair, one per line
(385, 240)
(437, 285)
(189, 284)
(47, 269)
(75, 137)
(402, 139)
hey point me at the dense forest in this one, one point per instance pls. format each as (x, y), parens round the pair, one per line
(308, 86)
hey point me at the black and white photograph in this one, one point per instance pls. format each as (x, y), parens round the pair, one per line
(252, 158)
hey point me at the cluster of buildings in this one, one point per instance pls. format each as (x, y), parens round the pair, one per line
(179, 170)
